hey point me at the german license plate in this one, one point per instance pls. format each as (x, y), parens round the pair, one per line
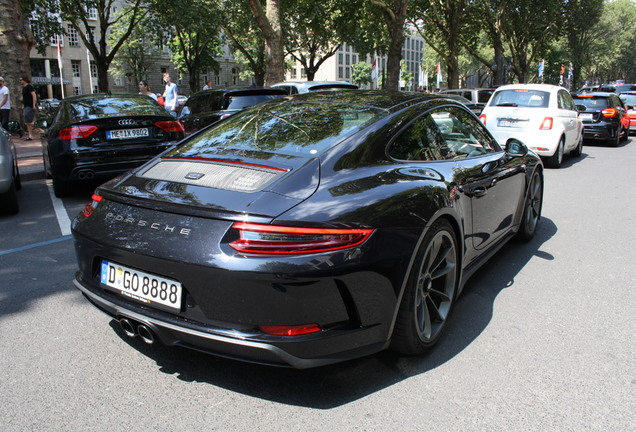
(585, 116)
(127, 133)
(141, 286)
(507, 123)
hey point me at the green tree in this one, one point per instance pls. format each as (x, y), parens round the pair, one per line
(581, 17)
(193, 34)
(361, 73)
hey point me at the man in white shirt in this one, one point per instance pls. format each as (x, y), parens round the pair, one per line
(5, 104)
(170, 94)
(208, 85)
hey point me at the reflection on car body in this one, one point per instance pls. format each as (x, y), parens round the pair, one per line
(321, 227)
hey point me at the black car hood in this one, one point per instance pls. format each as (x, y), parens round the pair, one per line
(259, 184)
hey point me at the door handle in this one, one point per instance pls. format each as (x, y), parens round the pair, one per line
(480, 191)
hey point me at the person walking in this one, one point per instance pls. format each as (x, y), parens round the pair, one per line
(144, 89)
(29, 100)
(5, 104)
(208, 85)
(170, 94)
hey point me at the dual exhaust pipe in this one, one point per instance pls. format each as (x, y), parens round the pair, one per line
(133, 328)
(86, 175)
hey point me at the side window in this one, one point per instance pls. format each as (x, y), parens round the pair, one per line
(463, 135)
(569, 103)
(197, 104)
(420, 141)
(560, 101)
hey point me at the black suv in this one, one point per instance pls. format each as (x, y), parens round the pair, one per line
(209, 106)
(617, 88)
(604, 117)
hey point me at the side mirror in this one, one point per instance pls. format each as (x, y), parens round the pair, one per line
(13, 126)
(515, 148)
(42, 124)
(581, 108)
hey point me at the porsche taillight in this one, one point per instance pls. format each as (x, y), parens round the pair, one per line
(170, 126)
(77, 132)
(263, 239)
(609, 112)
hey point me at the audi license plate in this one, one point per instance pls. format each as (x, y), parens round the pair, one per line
(141, 286)
(507, 123)
(127, 133)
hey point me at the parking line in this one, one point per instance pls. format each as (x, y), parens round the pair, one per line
(31, 246)
(60, 212)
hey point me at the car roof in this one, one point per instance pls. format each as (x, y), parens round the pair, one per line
(598, 94)
(245, 90)
(542, 87)
(306, 85)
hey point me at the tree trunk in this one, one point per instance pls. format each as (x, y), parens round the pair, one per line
(269, 23)
(16, 41)
(395, 16)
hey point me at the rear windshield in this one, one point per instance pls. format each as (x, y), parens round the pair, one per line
(593, 103)
(521, 98)
(92, 108)
(242, 101)
(290, 128)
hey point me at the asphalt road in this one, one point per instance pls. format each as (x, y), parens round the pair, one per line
(541, 340)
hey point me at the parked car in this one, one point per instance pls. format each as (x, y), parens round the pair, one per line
(296, 87)
(99, 136)
(616, 88)
(604, 117)
(308, 230)
(478, 97)
(542, 116)
(209, 106)
(9, 172)
(588, 89)
(629, 101)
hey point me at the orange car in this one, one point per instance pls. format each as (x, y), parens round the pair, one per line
(629, 100)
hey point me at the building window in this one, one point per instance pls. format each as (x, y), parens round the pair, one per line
(93, 69)
(92, 13)
(294, 73)
(95, 89)
(75, 66)
(73, 37)
(76, 90)
(303, 73)
(55, 38)
(340, 72)
(91, 33)
(347, 73)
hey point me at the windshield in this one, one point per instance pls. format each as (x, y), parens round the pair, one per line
(521, 98)
(92, 108)
(288, 128)
(628, 99)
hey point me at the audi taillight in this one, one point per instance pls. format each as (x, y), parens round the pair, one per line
(263, 239)
(609, 112)
(77, 132)
(170, 126)
(547, 123)
(483, 119)
(91, 206)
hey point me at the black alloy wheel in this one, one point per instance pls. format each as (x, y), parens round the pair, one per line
(532, 208)
(430, 292)
(616, 140)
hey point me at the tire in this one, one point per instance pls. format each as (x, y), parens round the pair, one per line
(532, 208)
(556, 159)
(9, 200)
(624, 135)
(615, 142)
(61, 188)
(578, 150)
(430, 292)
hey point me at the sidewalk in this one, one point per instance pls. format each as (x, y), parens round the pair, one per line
(29, 157)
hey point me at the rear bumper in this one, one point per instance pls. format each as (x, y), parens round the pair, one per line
(599, 132)
(543, 143)
(235, 344)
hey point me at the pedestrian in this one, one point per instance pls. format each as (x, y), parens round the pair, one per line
(144, 89)
(29, 100)
(170, 94)
(208, 85)
(5, 104)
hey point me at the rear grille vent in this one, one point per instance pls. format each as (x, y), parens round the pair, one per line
(211, 174)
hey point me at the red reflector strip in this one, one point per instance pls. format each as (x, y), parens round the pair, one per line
(170, 126)
(225, 161)
(290, 330)
(77, 132)
(272, 239)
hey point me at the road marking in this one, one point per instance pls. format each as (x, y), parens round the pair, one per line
(31, 246)
(60, 212)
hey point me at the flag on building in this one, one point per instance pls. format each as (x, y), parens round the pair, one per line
(439, 75)
(375, 73)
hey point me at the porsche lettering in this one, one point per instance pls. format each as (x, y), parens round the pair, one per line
(149, 224)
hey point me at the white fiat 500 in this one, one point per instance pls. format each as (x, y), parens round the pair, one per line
(542, 116)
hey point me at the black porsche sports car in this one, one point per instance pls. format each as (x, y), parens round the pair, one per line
(308, 230)
(99, 136)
